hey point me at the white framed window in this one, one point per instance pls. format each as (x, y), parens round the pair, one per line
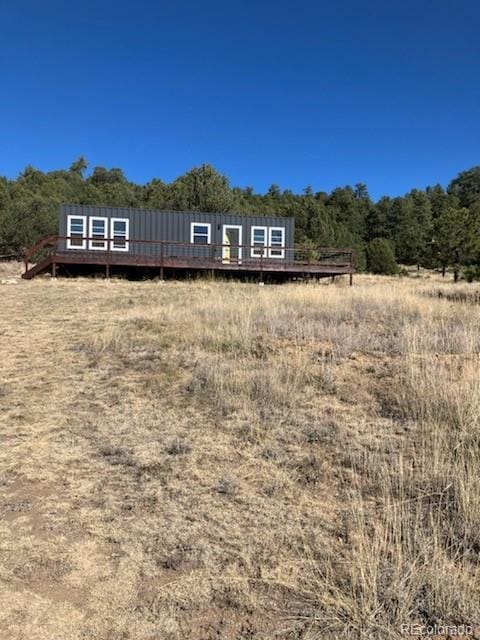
(97, 233)
(200, 232)
(76, 232)
(119, 234)
(258, 242)
(276, 242)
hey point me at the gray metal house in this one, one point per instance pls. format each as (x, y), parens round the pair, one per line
(118, 239)
(227, 237)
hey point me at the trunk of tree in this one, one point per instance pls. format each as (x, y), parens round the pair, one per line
(443, 270)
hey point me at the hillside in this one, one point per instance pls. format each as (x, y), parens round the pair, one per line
(211, 460)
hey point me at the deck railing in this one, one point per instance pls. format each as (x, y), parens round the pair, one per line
(168, 251)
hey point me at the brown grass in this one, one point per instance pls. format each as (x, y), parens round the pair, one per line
(221, 460)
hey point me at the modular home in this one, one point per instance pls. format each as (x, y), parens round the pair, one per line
(117, 238)
(229, 237)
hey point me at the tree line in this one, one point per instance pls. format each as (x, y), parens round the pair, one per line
(435, 227)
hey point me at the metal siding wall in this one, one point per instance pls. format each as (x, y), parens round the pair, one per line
(62, 226)
(149, 224)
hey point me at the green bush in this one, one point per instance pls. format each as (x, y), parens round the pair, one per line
(471, 273)
(380, 257)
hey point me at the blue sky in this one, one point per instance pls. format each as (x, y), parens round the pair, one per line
(294, 93)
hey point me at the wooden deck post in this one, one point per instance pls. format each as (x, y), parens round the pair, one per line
(54, 269)
(107, 271)
(351, 279)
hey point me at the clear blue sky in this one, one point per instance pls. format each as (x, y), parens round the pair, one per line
(296, 93)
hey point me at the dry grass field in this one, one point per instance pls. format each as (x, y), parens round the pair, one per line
(214, 460)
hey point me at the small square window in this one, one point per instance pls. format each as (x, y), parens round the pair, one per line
(200, 233)
(259, 236)
(277, 236)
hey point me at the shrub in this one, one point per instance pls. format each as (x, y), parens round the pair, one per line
(471, 273)
(380, 257)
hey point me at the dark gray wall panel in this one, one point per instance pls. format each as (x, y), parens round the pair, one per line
(148, 224)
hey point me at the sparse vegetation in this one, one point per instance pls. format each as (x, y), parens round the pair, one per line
(221, 460)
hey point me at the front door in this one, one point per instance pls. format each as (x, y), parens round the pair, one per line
(232, 240)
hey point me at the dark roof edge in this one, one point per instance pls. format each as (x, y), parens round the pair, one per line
(205, 213)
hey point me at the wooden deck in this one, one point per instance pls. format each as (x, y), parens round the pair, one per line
(170, 258)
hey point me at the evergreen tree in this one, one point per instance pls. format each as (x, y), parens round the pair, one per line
(79, 166)
(348, 209)
(378, 220)
(466, 187)
(202, 189)
(455, 239)
(380, 257)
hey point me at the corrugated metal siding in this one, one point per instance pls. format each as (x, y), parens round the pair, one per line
(150, 224)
